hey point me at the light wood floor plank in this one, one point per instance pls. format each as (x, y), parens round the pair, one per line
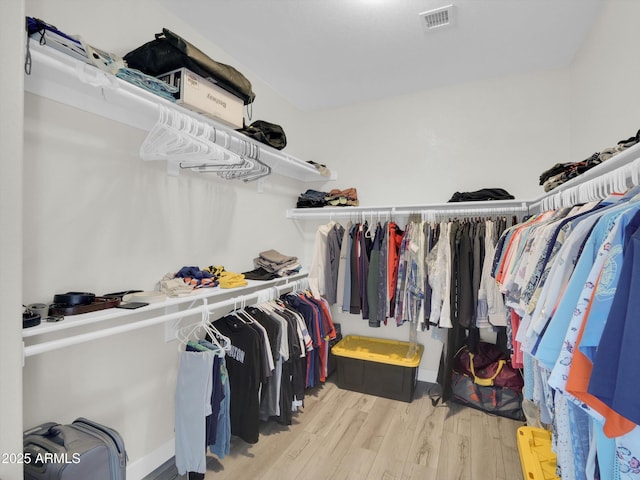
(483, 455)
(458, 419)
(343, 435)
(336, 448)
(509, 446)
(453, 461)
(354, 465)
(413, 471)
(426, 444)
(374, 429)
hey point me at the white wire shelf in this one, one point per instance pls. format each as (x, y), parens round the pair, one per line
(60, 77)
(385, 211)
(613, 175)
(153, 314)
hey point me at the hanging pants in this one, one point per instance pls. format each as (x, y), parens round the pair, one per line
(193, 404)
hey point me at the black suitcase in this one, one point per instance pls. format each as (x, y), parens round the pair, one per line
(82, 450)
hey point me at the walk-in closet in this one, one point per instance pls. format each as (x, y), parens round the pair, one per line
(337, 239)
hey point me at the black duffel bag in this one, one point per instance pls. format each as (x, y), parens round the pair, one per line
(170, 51)
(267, 133)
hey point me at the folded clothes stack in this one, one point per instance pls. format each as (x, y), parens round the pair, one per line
(272, 264)
(333, 198)
(276, 262)
(185, 281)
(311, 199)
(227, 279)
(188, 279)
(175, 287)
(197, 278)
(339, 198)
(563, 172)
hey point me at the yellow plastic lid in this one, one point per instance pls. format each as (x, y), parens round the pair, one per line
(392, 352)
(537, 459)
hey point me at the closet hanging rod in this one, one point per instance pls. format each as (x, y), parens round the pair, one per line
(623, 167)
(457, 208)
(593, 189)
(85, 337)
(253, 298)
(610, 167)
(240, 300)
(67, 80)
(205, 295)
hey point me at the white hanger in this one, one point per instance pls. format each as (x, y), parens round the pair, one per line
(184, 334)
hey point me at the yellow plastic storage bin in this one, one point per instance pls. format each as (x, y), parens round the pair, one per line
(536, 457)
(377, 366)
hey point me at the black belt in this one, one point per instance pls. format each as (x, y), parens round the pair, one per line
(99, 303)
(74, 298)
(30, 319)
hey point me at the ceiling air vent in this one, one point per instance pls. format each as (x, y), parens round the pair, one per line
(437, 18)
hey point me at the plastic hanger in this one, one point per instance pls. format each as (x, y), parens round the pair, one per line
(185, 334)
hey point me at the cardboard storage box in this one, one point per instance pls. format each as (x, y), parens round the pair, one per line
(377, 366)
(199, 94)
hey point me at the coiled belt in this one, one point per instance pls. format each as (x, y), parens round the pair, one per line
(71, 299)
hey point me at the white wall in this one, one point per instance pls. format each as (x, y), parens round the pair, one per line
(11, 95)
(98, 218)
(421, 148)
(604, 80)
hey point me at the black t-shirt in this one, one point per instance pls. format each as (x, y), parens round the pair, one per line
(244, 364)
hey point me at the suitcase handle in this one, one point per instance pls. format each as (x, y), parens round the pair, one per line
(68, 436)
(42, 430)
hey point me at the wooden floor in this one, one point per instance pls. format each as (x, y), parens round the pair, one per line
(347, 435)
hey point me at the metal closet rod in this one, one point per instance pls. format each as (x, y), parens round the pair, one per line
(593, 188)
(615, 174)
(241, 300)
(448, 209)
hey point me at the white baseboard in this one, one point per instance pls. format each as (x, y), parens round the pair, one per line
(144, 466)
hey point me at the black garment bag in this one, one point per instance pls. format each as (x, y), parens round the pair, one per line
(170, 52)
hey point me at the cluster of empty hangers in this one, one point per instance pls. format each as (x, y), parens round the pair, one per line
(205, 324)
(196, 145)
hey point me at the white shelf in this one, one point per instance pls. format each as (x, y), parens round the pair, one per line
(613, 175)
(207, 295)
(62, 78)
(453, 208)
(153, 314)
(608, 173)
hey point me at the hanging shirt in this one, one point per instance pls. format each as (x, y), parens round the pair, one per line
(318, 268)
(618, 355)
(595, 320)
(244, 364)
(334, 243)
(439, 261)
(551, 343)
(373, 278)
(491, 309)
(394, 236)
(364, 252)
(342, 266)
(354, 305)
